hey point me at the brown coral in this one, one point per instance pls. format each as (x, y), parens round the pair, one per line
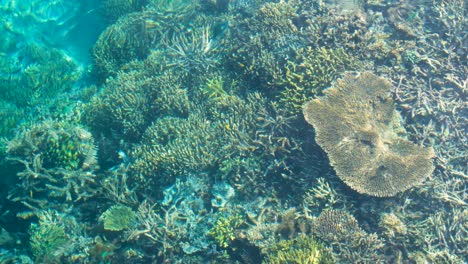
(357, 125)
(350, 243)
(335, 225)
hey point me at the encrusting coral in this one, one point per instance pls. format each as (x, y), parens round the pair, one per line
(357, 125)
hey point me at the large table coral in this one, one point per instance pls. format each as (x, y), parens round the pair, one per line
(357, 125)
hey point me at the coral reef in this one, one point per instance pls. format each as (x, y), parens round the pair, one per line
(308, 74)
(133, 35)
(180, 222)
(185, 142)
(36, 74)
(46, 239)
(357, 125)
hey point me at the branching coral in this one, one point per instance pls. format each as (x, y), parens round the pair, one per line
(59, 238)
(58, 159)
(301, 250)
(349, 242)
(114, 9)
(223, 231)
(132, 36)
(131, 101)
(10, 117)
(179, 223)
(196, 51)
(46, 241)
(36, 75)
(237, 139)
(357, 125)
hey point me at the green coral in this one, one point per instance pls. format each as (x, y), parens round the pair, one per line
(62, 151)
(118, 218)
(214, 88)
(309, 73)
(224, 230)
(301, 250)
(46, 239)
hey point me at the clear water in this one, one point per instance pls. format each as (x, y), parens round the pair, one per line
(233, 131)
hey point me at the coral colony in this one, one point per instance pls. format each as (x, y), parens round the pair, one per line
(233, 131)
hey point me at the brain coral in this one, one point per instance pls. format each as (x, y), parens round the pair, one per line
(357, 125)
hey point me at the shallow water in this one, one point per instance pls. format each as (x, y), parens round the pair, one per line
(172, 131)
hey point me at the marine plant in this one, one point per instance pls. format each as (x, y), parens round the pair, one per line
(357, 118)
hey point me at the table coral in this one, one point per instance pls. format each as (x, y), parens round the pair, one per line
(357, 125)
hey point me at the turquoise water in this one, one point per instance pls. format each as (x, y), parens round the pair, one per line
(233, 131)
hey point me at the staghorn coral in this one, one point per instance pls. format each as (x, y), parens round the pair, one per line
(58, 159)
(178, 223)
(357, 125)
(46, 241)
(36, 75)
(197, 50)
(10, 117)
(132, 100)
(392, 225)
(326, 193)
(236, 139)
(61, 238)
(134, 35)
